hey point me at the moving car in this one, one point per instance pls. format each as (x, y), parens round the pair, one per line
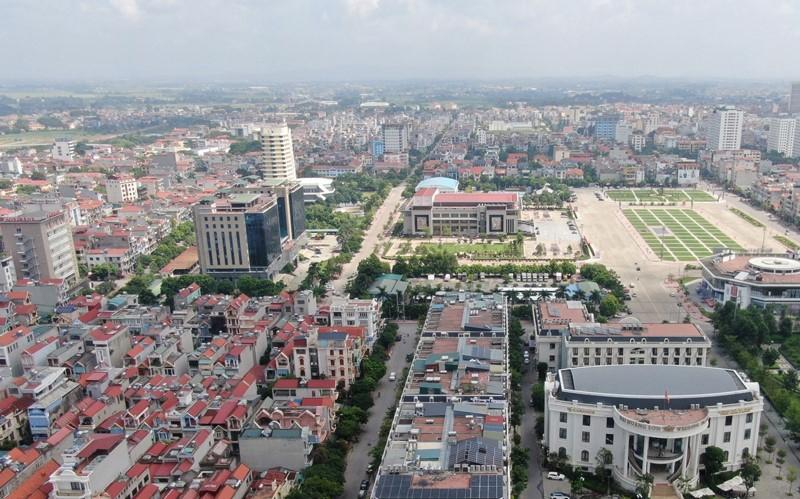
(554, 475)
(392, 376)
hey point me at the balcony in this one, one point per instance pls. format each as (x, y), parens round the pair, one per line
(660, 455)
(662, 423)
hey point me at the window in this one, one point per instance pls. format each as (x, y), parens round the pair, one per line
(585, 456)
(587, 420)
(609, 439)
(728, 420)
(609, 422)
(552, 346)
(562, 433)
(747, 434)
(704, 440)
(726, 437)
(749, 418)
(725, 456)
(585, 436)
(562, 417)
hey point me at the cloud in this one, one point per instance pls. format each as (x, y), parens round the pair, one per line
(128, 8)
(362, 8)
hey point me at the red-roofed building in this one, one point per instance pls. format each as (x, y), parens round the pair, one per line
(36, 486)
(90, 466)
(12, 344)
(476, 213)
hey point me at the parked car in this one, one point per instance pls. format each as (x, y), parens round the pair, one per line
(555, 475)
(409, 357)
(392, 376)
(362, 491)
(559, 495)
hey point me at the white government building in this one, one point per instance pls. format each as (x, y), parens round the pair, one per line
(654, 419)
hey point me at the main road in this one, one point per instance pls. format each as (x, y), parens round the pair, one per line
(372, 236)
(359, 458)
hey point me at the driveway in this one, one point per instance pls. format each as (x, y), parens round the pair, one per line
(359, 458)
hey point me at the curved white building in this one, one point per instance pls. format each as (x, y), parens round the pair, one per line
(654, 419)
(752, 279)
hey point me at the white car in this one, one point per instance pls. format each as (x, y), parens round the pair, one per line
(554, 475)
(392, 376)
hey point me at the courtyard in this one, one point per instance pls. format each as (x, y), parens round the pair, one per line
(659, 195)
(678, 234)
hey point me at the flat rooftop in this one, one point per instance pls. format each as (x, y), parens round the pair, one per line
(755, 269)
(453, 311)
(647, 385)
(449, 432)
(627, 330)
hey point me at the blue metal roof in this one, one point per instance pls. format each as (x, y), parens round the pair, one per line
(442, 183)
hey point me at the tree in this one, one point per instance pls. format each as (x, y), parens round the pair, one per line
(750, 473)
(643, 484)
(541, 370)
(603, 461)
(103, 272)
(790, 380)
(576, 484)
(769, 445)
(791, 477)
(712, 459)
(147, 297)
(609, 306)
(38, 175)
(537, 395)
(781, 460)
(785, 327)
(769, 357)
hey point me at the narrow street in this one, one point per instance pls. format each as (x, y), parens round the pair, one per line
(528, 429)
(359, 458)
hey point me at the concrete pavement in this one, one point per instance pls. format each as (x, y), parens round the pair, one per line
(359, 458)
(372, 236)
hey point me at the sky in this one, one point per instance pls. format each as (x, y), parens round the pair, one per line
(352, 40)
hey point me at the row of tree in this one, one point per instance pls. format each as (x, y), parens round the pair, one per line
(325, 478)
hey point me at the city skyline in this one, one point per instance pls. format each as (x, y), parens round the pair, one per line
(140, 40)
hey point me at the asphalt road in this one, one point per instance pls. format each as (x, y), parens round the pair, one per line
(528, 429)
(358, 459)
(372, 236)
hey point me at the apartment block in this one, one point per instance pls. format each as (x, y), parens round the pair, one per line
(41, 245)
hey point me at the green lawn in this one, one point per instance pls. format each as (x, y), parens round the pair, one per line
(659, 196)
(678, 234)
(788, 243)
(474, 249)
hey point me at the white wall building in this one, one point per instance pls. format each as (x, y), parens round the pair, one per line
(395, 137)
(63, 150)
(653, 419)
(784, 137)
(122, 189)
(725, 129)
(277, 160)
(350, 312)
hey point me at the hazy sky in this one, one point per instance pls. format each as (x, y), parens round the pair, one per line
(270, 40)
